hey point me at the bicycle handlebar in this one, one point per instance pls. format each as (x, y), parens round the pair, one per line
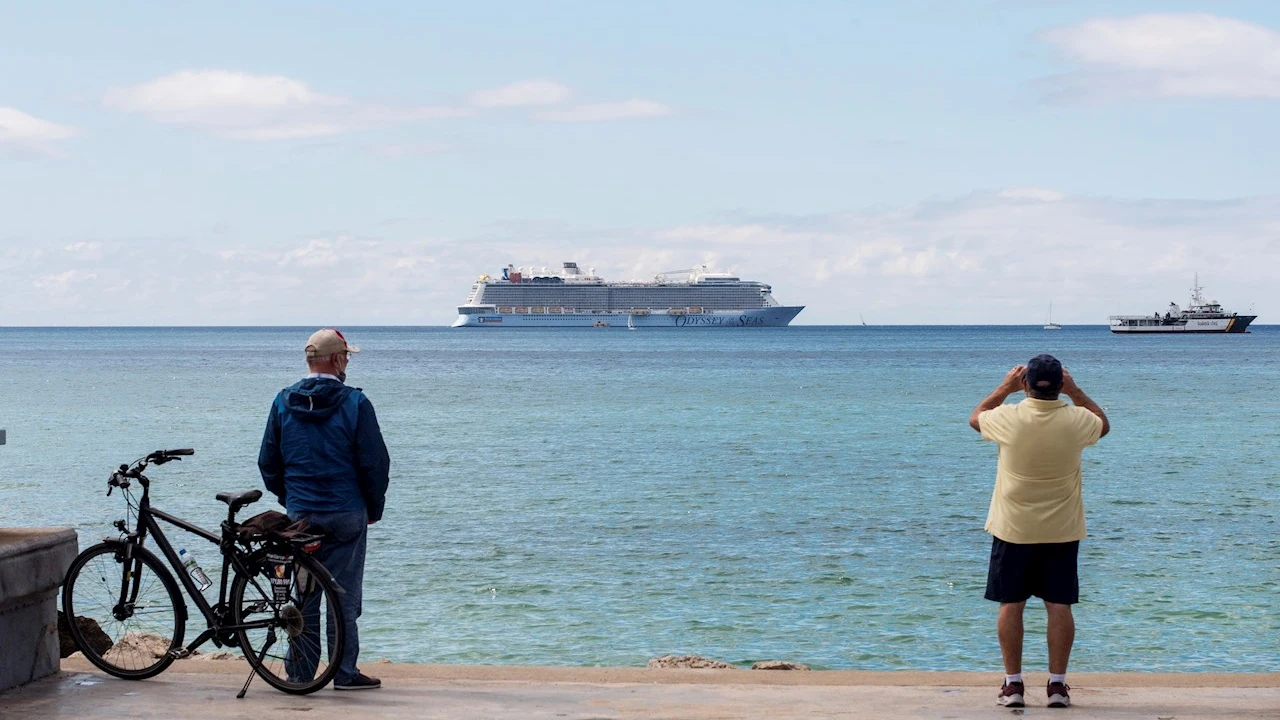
(120, 478)
(160, 457)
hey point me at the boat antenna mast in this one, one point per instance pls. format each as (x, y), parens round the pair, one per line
(1196, 297)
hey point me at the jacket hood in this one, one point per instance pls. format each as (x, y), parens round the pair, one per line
(315, 399)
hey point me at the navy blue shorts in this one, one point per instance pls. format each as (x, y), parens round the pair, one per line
(1046, 570)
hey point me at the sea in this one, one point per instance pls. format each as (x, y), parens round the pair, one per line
(599, 497)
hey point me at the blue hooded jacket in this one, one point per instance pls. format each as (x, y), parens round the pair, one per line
(322, 450)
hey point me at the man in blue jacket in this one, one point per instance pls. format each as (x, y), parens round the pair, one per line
(323, 457)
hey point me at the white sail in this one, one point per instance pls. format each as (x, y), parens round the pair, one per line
(1049, 324)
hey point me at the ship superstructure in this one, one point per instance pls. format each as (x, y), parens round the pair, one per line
(695, 297)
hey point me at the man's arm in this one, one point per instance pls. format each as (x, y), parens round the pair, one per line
(270, 461)
(373, 460)
(1073, 391)
(1011, 384)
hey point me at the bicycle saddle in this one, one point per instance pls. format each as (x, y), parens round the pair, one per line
(240, 499)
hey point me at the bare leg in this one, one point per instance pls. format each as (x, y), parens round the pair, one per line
(1062, 634)
(1009, 630)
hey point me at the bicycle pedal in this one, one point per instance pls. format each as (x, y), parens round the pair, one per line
(180, 654)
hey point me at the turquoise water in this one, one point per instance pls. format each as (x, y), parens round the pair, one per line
(600, 497)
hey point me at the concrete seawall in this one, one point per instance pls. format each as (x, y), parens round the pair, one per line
(33, 562)
(205, 690)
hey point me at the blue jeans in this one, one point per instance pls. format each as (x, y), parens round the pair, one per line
(342, 554)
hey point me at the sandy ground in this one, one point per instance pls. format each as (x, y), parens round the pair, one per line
(206, 690)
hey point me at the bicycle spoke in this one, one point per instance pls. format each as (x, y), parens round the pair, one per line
(135, 644)
(287, 634)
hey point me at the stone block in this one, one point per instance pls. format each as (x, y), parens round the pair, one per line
(33, 562)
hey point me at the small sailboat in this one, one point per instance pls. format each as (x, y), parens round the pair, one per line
(631, 322)
(1049, 324)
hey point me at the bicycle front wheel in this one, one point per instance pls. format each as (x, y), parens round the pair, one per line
(289, 621)
(135, 605)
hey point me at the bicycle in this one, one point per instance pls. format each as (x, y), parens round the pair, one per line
(277, 590)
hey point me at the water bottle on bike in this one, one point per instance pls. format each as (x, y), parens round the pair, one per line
(189, 562)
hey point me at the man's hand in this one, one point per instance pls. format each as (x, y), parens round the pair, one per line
(1011, 384)
(1073, 391)
(1013, 379)
(1069, 386)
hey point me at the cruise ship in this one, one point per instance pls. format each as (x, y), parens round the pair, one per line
(694, 298)
(1202, 316)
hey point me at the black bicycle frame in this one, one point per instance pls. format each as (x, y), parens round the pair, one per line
(147, 517)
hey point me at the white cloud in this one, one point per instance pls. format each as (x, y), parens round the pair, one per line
(27, 133)
(1166, 56)
(84, 250)
(1031, 193)
(998, 257)
(521, 94)
(532, 93)
(744, 234)
(989, 257)
(601, 112)
(175, 96)
(244, 106)
(314, 253)
(919, 264)
(62, 282)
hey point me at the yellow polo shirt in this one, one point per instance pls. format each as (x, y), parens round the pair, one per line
(1037, 496)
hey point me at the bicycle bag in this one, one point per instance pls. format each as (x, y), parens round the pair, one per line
(273, 526)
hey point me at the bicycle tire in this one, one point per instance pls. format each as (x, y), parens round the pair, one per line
(298, 621)
(92, 590)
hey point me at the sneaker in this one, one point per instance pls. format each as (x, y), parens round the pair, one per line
(359, 682)
(1058, 695)
(1011, 695)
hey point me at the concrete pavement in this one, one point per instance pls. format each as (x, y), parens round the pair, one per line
(205, 690)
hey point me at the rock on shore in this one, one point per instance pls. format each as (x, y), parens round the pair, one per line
(778, 665)
(89, 630)
(696, 662)
(137, 647)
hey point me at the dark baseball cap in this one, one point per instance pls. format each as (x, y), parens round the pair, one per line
(1044, 372)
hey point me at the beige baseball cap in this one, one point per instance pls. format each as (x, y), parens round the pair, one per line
(328, 341)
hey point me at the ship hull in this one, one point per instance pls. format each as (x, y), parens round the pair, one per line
(1207, 326)
(779, 316)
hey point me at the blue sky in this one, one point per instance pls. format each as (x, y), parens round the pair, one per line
(361, 163)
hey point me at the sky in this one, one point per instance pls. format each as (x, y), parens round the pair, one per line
(909, 162)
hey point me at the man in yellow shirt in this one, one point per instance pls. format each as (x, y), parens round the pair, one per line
(1036, 517)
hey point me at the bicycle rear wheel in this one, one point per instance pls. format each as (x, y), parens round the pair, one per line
(135, 635)
(289, 621)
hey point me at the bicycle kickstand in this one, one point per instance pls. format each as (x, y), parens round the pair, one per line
(266, 646)
(248, 680)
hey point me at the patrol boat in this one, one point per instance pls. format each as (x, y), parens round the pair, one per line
(1202, 316)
